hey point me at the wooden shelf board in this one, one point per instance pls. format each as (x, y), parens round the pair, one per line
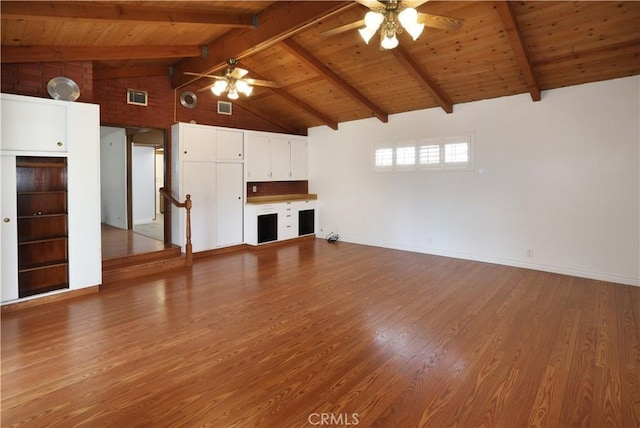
(41, 266)
(40, 241)
(40, 192)
(20, 217)
(40, 165)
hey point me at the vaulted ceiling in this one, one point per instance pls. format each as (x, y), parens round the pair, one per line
(502, 48)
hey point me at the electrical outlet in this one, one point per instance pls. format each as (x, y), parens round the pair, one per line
(255, 189)
(530, 253)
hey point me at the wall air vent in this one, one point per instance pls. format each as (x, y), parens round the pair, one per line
(136, 97)
(224, 107)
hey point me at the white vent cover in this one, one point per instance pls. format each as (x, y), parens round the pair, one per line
(224, 107)
(137, 97)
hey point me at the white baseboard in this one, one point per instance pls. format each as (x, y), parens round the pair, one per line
(500, 261)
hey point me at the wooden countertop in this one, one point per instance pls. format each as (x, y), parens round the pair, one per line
(281, 198)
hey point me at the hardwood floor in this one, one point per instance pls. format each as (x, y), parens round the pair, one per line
(120, 242)
(319, 334)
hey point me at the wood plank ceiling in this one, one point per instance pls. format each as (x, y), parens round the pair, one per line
(503, 48)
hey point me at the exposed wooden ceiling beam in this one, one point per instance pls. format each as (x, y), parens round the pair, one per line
(99, 11)
(278, 21)
(266, 116)
(423, 78)
(314, 63)
(125, 72)
(14, 54)
(298, 102)
(510, 23)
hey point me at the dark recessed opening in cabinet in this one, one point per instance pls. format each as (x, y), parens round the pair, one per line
(306, 220)
(267, 228)
(42, 224)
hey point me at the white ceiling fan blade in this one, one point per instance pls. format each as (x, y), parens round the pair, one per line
(205, 88)
(238, 73)
(371, 4)
(212, 76)
(342, 28)
(440, 22)
(258, 82)
(414, 3)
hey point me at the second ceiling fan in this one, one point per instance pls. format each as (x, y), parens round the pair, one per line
(392, 17)
(233, 81)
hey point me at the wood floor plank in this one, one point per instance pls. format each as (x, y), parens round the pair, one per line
(285, 336)
(628, 341)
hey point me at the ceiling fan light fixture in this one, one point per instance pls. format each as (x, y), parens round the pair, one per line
(372, 20)
(232, 94)
(219, 87)
(389, 41)
(366, 34)
(244, 87)
(415, 30)
(408, 17)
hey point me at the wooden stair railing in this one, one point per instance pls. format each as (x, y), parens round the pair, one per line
(187, 205)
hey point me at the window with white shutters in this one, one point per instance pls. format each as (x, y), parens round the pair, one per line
(426, 154)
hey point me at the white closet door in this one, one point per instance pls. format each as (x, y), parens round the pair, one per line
(9, 235)
(199, 180)
(230, 205)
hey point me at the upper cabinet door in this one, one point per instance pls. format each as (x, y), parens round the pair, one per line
(299, 170)
(19, 132)
(280, 159)
(230, 145)
(257, 162)
(198, 143)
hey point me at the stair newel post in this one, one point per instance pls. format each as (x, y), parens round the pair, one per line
(188, 247)
(187, 205)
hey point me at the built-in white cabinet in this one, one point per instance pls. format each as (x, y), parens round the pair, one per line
(214, 179)
(31, 131)
(229, 145)
(258, 159)
(275, 157)
(287, 221)
(279, 221)
(198, 179)
(229, 203)
(197, 143)
(280, 158)
(46, 130)
(298, 149)
(9, 210)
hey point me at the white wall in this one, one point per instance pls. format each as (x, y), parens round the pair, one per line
(113, 176)
(559, 177)
(159, 179)
(143, 184)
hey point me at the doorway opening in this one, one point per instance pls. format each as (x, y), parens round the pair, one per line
(132, 167)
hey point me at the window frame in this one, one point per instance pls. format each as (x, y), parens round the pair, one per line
(441, 142)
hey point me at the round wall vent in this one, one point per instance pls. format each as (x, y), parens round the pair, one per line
(188, 99)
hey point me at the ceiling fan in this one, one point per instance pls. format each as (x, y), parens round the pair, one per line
(392, 17)
(233, 81)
